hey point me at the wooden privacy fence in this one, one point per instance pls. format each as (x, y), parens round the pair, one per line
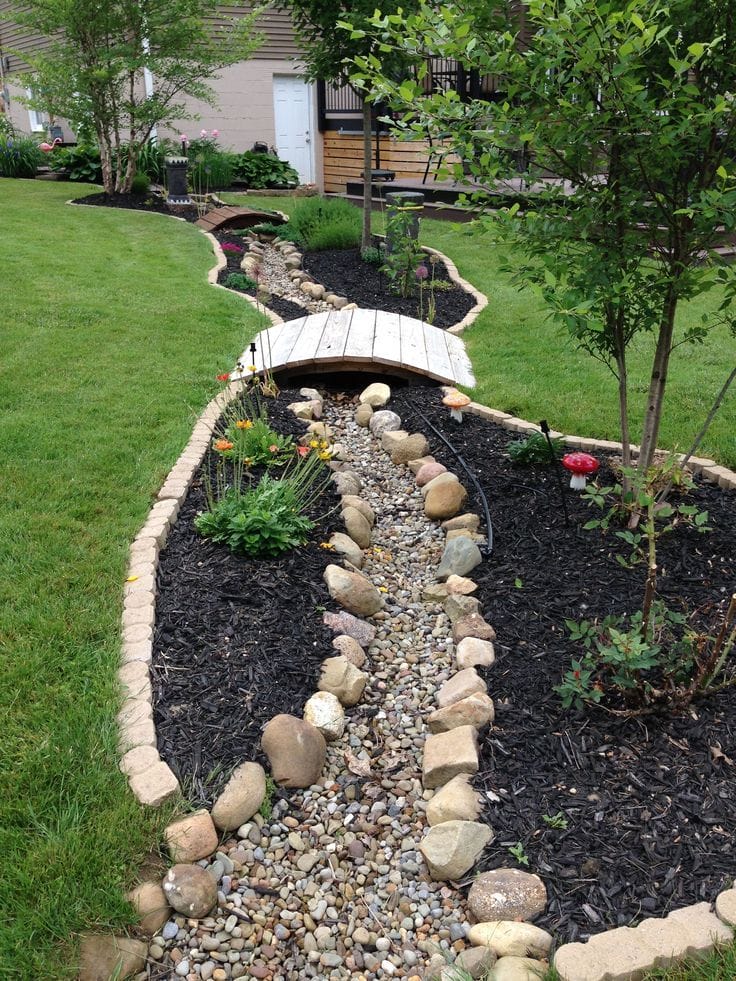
(343, 159)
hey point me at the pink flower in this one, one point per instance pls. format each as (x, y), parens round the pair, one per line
(215, 133)
(421, 272)
(184, 138)
(203, 133)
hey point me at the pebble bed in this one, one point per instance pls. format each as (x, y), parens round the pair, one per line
(332, 885)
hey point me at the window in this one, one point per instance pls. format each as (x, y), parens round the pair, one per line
(36, 118)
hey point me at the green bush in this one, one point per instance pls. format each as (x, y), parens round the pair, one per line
(261, 170)
(82, 163)
(239, 281)
(271, 228)
(19, 156)
(141, 184)
(535, 449)
(152, 159)
(324, 223)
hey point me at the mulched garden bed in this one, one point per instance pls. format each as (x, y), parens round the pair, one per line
(344, 272)
(139, 202)
(650, 804)
(237, 639)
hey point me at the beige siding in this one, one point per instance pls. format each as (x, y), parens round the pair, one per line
(277, 29)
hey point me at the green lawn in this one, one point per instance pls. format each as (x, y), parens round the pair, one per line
(110, 341)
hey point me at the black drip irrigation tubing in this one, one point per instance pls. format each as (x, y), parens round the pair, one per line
(488, 547)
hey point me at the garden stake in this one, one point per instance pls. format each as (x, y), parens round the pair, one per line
(543, 425)
(488, 548)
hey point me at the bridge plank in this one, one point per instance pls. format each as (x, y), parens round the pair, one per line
(413, 347)
(309, 339)
(439, 365)
(462, 371)
(387, 338)
(359, 344)
(284, 344)
(334, 336)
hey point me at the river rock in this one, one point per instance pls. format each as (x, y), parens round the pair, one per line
(353, 591)
(357, 527)
(104, 956)
(471, 653)
(452, 848)
(344, 545)
(472, 626)
(324, 711)
(476, 961)
(519, 969)
(346, 623)
(508, 938)
(459, 557)
(342, 679)
(444, 500)
(476, 710)
(150, 902)
(190, 890)
(439, 481)
(295, 751)
(377, 394)
(363, 414)
(192, 837)
(382, 421)
(458, 606)
(460, 586)
(347, 482)
(241, 798)
(428, 471)
(411, 448)
(352, 501)
(468, 521)
(448, 753)
(459, 686)
(507, 894)
(350, 649)
(456, 801)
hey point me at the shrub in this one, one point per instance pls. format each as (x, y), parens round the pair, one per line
(141, 184)
(325, 223)
(19, 156)
(271, 228)
(210, 171)
(82, 163)
(152, 159)
(535, 449)
(261, 170)
(239, 281)
(6, 126)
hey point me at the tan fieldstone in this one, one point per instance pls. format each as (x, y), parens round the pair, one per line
(411, 448)
(507, 938)
(456, 801)
(391, 437)
(476, 710)
(475, 961)
(352, 591)
(444, 500)
(350, 649)
(439, 481)
(460, 585)
(295, 750)
(458, 605)
(507, 894)
(241, 797)
(472, 626)
(726, 906)
(435, 592)
(377, 394)
(519, 969)
(429, 471)
(324, 711)
(192, 837)
(155, 785)
(465, 533)
(452, 848)
(461, 685)
(472, 652)
(138, 759)
(150, 903)
(350, 550)
(469, 521)
(104, 956)
(353, 501)
(446, 754)
(357, 527)
(363, 415)
(190, 890)
(340, 677)
(416, 465)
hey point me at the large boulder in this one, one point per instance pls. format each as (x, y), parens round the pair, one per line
(295, 751)
(324, 711)
(376, 395)
(459, 558)
(452, 848)
(444, 500)
(382, 421)
(352, 591)
(340, 677)
(507, 894)
(357, 527)
(190, 890)
(243, 795)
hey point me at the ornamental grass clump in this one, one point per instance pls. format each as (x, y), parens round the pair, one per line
(271, 517)
(19, 156)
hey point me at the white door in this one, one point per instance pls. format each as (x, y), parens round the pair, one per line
(292, 106)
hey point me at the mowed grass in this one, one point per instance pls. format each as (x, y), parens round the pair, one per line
(526, 365)
(110, 341)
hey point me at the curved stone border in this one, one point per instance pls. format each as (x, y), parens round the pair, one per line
(481, 300)
(220, 264)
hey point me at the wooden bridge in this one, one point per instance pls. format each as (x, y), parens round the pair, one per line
(360, 340)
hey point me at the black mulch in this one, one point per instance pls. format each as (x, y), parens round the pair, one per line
(139, 202)
(284, 308)
(237, 640)
(344, 272)
(650, 804)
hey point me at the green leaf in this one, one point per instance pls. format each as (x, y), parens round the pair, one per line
(637, 21)
(696, 49)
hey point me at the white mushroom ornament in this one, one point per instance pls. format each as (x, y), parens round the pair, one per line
(456, 402)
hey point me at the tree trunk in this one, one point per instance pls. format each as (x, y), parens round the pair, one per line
(658, 382)
(623, 409)
(367, 170)
(108, 175)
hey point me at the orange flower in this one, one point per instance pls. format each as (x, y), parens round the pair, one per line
(243, 424)
(302, 450)
(223, 378)
(223, 444)
(273, 448)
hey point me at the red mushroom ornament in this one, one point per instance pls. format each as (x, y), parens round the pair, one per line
(579, 465)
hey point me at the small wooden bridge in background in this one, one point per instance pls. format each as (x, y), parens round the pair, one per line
(361, 340)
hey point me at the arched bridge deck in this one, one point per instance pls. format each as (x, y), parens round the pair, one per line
(362, 340)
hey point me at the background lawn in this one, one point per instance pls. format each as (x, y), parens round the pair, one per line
(111, 339)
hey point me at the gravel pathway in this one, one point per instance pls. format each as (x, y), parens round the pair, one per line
(331, 885)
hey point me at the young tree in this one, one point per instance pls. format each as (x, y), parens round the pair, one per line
(631, 106)
(92, 71)
(329, 53)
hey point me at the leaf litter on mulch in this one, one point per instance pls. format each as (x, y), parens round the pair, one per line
(649, 804)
